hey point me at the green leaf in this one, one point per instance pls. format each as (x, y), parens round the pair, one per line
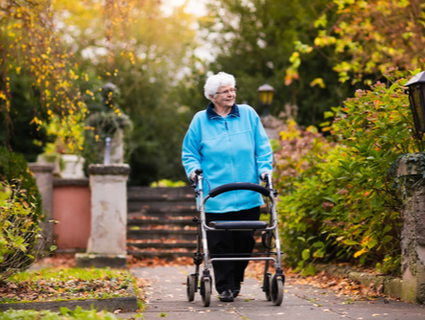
(387, 239)
(318, 244)
(319, 253)
(321, 22)
(371, 243)
(387, 229)
(5, 192)
(64, 311)
(330, 200)
(306, 254)
(349, 242)
(310, 271)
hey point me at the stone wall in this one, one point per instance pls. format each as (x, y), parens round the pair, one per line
(413, 232)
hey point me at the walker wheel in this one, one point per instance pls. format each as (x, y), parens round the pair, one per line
(276, 290)
(190, 287)
(206, 291)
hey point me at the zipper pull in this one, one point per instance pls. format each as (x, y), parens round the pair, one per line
(225, 124)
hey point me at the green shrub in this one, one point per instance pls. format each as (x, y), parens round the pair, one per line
(14, 167)
(5, 193)
(296, 152)
(20, 214)
(344, 208)
(19, 234)
(168, 183)
(300, 202)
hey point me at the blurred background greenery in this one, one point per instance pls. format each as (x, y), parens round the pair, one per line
(160, 55)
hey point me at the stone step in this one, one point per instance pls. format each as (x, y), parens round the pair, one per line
(157, 201)
(160, 194)
(164, 254)
(153, 207)
(171, 245)
(137, 219)
(168, 235)
(160, 222)
(159, 234)
(161, 245)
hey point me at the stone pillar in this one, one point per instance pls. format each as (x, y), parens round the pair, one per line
(108, 235)
(413, 232)
(271, 126)
(43, 173)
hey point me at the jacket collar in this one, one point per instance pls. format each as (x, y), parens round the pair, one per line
(212, 114)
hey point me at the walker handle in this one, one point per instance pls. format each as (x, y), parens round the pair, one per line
(239, 186)
(198, 172)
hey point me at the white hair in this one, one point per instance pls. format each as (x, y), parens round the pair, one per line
(216, 81)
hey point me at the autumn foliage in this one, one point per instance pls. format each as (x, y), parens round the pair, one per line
(366, 38)
(30, 46)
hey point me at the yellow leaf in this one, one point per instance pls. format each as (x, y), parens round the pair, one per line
(318, 81)
(360, 252)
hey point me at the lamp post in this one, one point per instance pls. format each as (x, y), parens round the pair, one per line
(265, 94)
(411, 171)
(416, 93)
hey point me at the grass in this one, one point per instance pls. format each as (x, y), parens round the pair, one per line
(67, 274)
(62, 284)
(64, 314)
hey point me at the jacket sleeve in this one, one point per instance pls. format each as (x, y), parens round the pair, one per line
(191, 157)
(263, 149)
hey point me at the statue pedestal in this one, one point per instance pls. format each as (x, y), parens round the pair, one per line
(107, 243)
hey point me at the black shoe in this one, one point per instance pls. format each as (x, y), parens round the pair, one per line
(235, 291)
(226, 296)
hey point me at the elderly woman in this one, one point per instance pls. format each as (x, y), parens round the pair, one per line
(228, 142)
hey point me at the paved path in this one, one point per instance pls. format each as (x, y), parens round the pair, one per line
(167, 299)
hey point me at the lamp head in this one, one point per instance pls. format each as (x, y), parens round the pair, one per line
(417, 101)
(265, 94)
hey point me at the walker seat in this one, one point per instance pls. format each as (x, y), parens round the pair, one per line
(250, 224)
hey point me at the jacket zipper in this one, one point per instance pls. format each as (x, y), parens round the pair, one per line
(231, 157)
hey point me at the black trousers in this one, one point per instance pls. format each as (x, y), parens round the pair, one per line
(229, 274)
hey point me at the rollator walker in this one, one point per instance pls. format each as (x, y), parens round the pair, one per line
(272, 284)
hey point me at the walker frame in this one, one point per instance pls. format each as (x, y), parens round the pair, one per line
(272, 284)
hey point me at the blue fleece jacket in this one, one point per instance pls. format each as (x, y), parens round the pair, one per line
(231, 149)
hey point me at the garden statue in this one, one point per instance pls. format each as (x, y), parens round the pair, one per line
(107, 120)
